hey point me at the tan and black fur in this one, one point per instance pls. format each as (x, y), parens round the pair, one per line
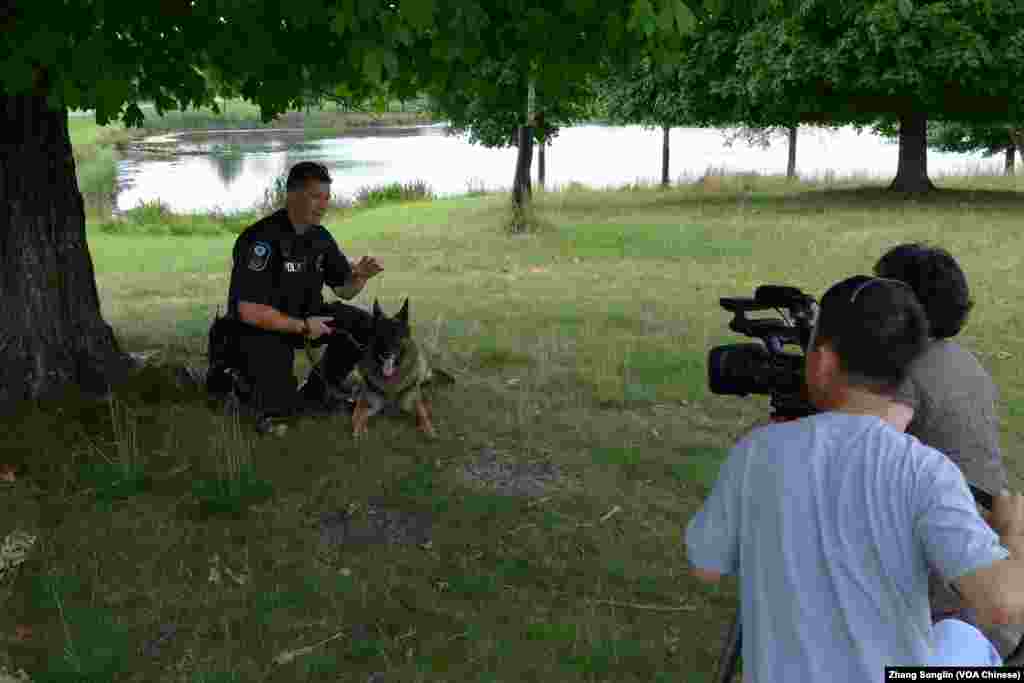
(393, 370)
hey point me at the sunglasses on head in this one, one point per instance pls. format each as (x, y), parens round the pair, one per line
(864, 285)
(853, 297)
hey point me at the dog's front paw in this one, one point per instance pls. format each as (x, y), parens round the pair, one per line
(360, 419)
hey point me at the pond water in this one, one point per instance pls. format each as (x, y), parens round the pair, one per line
(197, 171)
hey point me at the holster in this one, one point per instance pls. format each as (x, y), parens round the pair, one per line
(224, 356)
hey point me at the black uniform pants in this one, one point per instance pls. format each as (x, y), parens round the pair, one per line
(268, 360)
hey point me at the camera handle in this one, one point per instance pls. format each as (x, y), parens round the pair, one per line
(731, 651)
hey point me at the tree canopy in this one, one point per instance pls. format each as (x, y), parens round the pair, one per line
(859, 61)
(989, 139)
(851, 61)
(109, 56)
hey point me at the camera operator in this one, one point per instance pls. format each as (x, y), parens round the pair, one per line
(839, 516)
(275, 304)
(952, 397)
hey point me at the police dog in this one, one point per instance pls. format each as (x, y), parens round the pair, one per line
(393, 371)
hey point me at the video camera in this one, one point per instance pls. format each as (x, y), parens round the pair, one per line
(765, 368)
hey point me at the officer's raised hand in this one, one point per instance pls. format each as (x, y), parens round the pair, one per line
(317, 326)
(366, 268)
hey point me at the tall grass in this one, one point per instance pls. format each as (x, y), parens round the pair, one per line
(241, 114)
(96, 168)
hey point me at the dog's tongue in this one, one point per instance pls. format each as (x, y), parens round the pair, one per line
(388, 367)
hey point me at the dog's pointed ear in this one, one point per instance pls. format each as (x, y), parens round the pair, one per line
(403, 313)
(377, 313)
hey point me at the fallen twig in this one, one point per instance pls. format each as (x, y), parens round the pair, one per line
(604, 518)
(653, 608)
(288, 656)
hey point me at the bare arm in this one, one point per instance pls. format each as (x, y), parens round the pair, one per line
(706, 575)
(269, 318)
(351, 288)
(997, 591)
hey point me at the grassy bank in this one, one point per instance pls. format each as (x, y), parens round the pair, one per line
(582, 345)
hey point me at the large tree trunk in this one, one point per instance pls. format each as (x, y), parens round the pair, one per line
(53, 334)
(912, 172)
(1011, 154)
(791, 166)
(664, 156)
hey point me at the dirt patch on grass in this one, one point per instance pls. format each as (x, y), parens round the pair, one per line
(374, 524)
(496, 471)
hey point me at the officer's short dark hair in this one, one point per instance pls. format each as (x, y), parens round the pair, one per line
(937, 280)
(877, 334)
(303, 172)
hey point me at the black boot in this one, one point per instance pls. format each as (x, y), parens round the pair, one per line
(271, 425)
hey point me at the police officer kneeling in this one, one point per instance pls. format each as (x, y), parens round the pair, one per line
(275, 306)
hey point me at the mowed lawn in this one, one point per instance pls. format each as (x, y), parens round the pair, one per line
(583, 344)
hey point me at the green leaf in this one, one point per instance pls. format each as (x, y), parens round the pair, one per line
(340, 22)
(684, 17)
(391, 63)
(16, 76)
(54, 101)
(344, 16)
(380, 103)
(72, 95)
(642, 17)
(667, 17)
(403, 35)
(373, 63)
(906, 8)
(419, 13)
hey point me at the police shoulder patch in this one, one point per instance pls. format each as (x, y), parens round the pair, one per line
(259, 256)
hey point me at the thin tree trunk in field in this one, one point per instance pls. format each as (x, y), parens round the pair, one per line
(53, 333)
(791, 166)
(1017, 137)
(912, 172)
(521, 190)
(664, 156)
(1011, 154)
(540, 164)
(522, 193)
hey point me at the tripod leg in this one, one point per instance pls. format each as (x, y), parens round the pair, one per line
(730, 653)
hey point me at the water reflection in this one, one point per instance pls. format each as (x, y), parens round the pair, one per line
(230, 170)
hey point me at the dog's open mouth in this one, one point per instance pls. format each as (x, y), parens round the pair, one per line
(388, 370)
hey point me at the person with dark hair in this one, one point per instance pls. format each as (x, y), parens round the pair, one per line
(275, 306)
(952, 397)
(833, 521)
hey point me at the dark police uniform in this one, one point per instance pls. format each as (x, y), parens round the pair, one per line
(275, 266)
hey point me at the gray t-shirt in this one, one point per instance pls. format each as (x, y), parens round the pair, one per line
(954, 401)
(832, 522)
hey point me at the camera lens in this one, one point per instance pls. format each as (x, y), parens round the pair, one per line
(743, 369)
